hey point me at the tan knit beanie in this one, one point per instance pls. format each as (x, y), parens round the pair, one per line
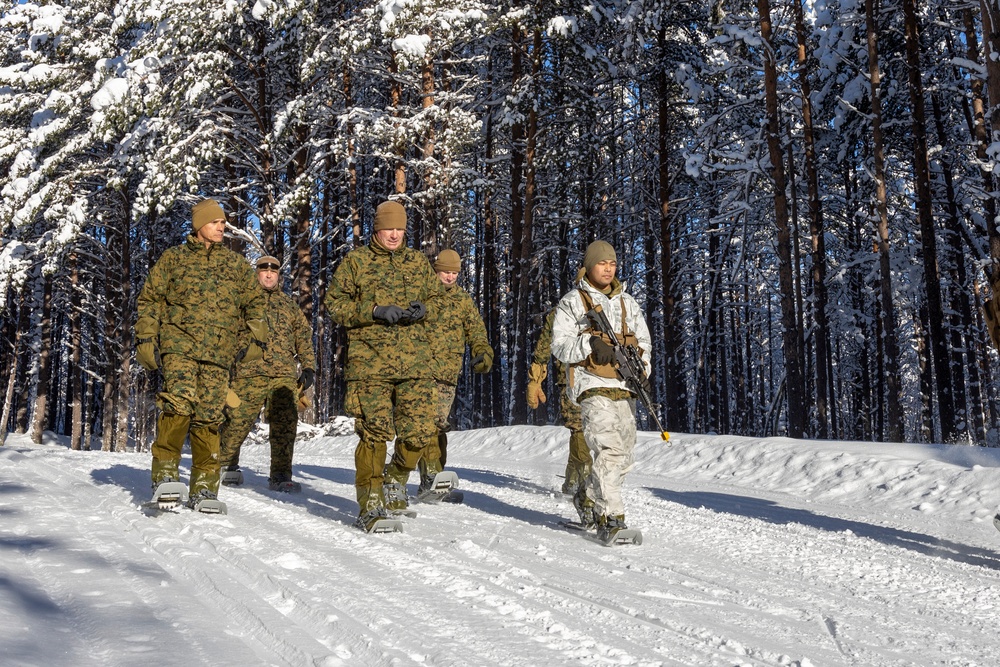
(390, 215)
(598, 251)
(205, 212)
(448, 260)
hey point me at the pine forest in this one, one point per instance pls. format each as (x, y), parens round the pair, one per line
(803, 194)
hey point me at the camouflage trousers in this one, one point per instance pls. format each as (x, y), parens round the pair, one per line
(278, 396)
(610, 431)
(438, 450)
(383, 410)
(191, 403)
(579, 462)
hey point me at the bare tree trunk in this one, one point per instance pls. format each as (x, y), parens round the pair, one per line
(990, 11)
(395, 100)
(490, 270)
(792, 335)
(518, 231)
(76, 354)
(821, 334)
(890, 358)
(675, 392)
(928, 240)
(38, 422)
(19, 330)
(432, 218)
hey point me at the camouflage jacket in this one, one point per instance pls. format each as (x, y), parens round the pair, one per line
(458, 324)
(370, 276)
(543, 350)
(289, 340)
(197, 301)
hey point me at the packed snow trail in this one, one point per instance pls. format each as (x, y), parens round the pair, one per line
(756, 552)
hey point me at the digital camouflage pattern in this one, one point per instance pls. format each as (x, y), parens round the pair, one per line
(271, 382)
(197, 301)
(390, 367)
(580, 460)
(370, 276)
(458, 324)
(383, 410)
(194, 304)
(289, 341)
(278, 396)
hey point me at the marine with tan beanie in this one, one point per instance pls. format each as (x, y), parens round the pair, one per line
(458, 325)
(385, 295)
(197, 302)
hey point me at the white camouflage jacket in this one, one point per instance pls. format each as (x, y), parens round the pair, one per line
(571, 338)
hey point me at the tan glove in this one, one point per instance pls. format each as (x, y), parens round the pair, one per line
(483, 362)
(147, 351)
(258, 343)
(534, 393)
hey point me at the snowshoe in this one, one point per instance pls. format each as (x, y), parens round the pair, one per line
(207, 502)
(232, 477)
(438, 488)
(377, 521)
(612, 530)
(167, 495)
(287, 486)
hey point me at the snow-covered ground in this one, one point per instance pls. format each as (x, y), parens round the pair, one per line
(756, 552)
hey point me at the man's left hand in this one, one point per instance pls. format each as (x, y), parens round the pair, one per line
(306, 378)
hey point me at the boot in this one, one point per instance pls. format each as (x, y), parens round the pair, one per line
(609, 526)
(204, 459)
(372, 506)
(394, 490)
(585, 508)
(428, 470)
(443, 446)
(171, 431)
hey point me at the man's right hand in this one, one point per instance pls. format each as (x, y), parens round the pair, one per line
(147, 354)
(388, 314)
(601, 352)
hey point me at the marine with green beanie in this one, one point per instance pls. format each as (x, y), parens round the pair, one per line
(274, 382)
(385, 294)
(579, 462)
(458, 324)
(197, 301)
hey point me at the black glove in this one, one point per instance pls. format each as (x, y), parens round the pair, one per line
(388, 314)
(601, 352)
(415, 312)
(306, 378)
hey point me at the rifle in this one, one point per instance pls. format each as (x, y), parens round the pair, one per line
(628, 363)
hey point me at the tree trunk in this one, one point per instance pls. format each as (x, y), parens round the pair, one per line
(76, 354)
(518, 232)
(928, 240)
(675, 417)
(821, 333)
(792, 335)
(38, 422)
(890, 359)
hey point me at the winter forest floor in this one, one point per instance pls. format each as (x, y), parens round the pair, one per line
(756, 552)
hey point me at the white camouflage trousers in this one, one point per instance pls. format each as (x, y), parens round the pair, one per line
(609, 429)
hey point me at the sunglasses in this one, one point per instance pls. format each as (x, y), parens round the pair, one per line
(268, 267)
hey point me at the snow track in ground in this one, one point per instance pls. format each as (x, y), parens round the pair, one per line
(750, 575)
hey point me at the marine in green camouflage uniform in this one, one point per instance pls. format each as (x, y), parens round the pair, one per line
(458, 324)
(579, 463)
(274, 381)
(197, 301)
(385, 294)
